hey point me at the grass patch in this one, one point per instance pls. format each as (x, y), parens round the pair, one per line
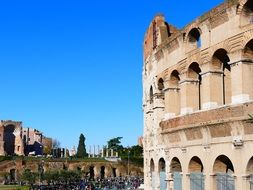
(13, 187)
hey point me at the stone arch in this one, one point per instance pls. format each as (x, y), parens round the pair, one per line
(152, 173)
(152, 165)
(196, 173)
(246, 16)
(220, 63)
(91, 172)
(223, 164)
(174, 79)
(172, 94)
(248, 50)
(195, 165)
(176, 170)
(160, 84)
(162, 173)
(162, 165)
(249, 168)
(175, 165)
(194, 38)
(102, 172)
(194, 76)
(223, 169)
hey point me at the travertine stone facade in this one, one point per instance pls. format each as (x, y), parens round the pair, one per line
(197, 94)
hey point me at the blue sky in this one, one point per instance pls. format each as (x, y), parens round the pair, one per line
(71, 67)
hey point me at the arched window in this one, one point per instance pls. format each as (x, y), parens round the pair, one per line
(176, 169)
(223, 168)
(247, 13)
(220, 61)
(196, 174)
(194, 74)
(194, 39)
(162, 174)
(160, 84)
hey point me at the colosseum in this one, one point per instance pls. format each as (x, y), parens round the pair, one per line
(197, 97)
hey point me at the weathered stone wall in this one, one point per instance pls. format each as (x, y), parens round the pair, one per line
(197, 94)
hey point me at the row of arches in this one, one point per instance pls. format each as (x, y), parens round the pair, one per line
(217, 79)
(222, 171)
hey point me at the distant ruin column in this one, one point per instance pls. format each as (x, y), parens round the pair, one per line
(102, 152)
(94, 151)
(111, 152)
(107, 153)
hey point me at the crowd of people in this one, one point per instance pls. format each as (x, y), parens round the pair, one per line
(113, 183)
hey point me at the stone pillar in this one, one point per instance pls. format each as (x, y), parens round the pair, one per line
(117, 154)
(212, 89)
(172, 101)
(170, 184)
(107, 153)
(189, 89)
(103, 152)
(111, 152)
(242, 80)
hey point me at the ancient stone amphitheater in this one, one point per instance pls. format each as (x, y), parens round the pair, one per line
(197, 94)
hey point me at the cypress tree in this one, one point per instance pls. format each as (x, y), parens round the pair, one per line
(81, 149)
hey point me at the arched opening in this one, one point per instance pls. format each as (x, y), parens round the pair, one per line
(172, 95)
(9, 139)
(196, 174)
(152, 174)
(224, 169)
(248, 50)
(12, 175)
(194, 39)
(102, 172)
(176, 169)
(247, 13)
(114, 174)
(162, 174)
(91, 172)
(220, 61)
(151, 95)
(249, 172)
(160, 86)
(194, 94)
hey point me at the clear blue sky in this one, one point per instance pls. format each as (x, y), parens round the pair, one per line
(74, 66)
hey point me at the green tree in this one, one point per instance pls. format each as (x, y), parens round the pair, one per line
(136, 151)
(81, 149)
(115, 144)
(28, 176)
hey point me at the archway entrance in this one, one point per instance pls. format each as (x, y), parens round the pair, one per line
(162, 174)
(223, 168)
(12, 175)
(114, 174)
(196, 174)
(176, 169)
(152, 172)
(102, 172)
(91, 172)
(249, 171)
